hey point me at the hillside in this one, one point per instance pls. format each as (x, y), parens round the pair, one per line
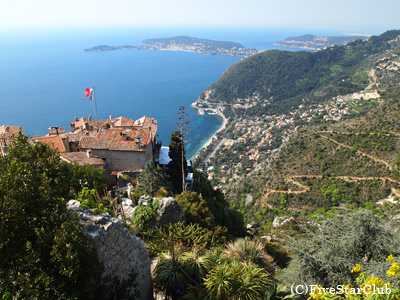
(285, 78)
(299, 151)
(314, 42)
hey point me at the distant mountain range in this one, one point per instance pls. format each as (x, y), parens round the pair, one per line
(314, 42)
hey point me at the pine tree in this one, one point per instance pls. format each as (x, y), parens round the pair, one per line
(151, 179)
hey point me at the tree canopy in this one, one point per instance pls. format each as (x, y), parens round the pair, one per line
(175, 165)
(151, 179)
(44, 254)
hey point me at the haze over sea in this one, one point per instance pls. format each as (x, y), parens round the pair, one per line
(43, 76)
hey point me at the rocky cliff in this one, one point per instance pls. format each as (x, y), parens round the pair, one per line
(123, 255)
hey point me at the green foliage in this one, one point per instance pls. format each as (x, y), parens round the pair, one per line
(91, 199)
(195, 208)
(246, 249)
(237, 281)
(219, 206)
(325, 256)
(197, 274)
(44, 254)
(151, 179)
(179, 235)
(183, 262)
(288, 77)
(143, 214)
(121, 289)
(397, 161)
(279, 292)
(175, 165)
(88, 176)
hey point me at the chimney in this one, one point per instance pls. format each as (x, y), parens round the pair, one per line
(137, 141)
(86, 125)
(53, 130)
(110, 117)
(90, 118)
(76, 119)
(124, 136)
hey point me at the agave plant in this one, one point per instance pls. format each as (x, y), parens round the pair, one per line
(236, 280)
(196, 264)
(168, 276)
(182, 274)
(278, 292)
(249, 250)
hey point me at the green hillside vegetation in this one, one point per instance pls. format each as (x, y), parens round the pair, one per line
(285, 78)
(353, 163)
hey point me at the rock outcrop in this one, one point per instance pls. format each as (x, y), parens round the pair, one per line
(169, 211)
(118, 250)
(279, 221)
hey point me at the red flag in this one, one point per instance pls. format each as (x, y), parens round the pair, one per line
(89, 93)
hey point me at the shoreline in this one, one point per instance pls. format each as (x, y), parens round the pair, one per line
(210, 140)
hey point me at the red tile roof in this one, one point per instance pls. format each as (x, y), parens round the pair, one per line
(123, 135)
(5, 129)
(81, 158)
(54, 141)
(6, 136)
(84, 124)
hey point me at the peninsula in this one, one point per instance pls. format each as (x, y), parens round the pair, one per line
(315, 43)
(185, 43)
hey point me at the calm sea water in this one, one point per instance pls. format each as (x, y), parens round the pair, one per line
(43, 76)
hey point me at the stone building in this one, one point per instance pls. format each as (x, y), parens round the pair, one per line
(122, 143)
(6, 133)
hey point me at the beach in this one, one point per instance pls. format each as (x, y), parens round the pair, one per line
(211, 139)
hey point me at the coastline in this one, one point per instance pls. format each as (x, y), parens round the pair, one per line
(211, 139)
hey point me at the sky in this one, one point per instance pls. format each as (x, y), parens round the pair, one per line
(358, 16)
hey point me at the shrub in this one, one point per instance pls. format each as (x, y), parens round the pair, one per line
(195, 208)
(326, 255)
(143, 214)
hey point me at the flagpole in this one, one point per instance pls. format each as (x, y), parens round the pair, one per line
(95, 108)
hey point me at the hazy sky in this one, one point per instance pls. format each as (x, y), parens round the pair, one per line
(347, 15)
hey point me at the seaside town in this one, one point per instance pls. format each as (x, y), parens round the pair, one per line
(184, 43)
(246, 139)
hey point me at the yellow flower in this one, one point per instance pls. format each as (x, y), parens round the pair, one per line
(372, 282)
(318, 293)
(394, 270)
(390, 258)
(356, 268)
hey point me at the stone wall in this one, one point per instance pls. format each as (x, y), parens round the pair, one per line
(118, 250)
(124, 160)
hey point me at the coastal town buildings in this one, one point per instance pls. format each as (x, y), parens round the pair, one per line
(6, 133)
(118, 144)
(252, 136)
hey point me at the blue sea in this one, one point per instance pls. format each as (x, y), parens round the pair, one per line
(43, 76)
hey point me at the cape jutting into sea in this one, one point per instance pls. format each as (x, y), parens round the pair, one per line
(43, 76)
